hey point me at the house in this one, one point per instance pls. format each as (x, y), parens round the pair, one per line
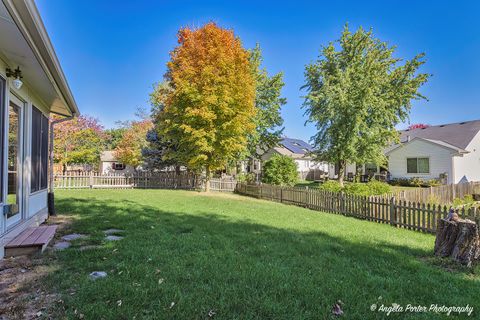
(297, 149)
(449, 152)
(109, 164)
(32, 86)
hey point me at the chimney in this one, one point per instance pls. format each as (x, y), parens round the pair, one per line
(408, 138)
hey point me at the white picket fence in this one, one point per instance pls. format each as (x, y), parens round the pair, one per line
(142, 180)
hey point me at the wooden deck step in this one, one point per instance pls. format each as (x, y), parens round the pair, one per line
(30, 241)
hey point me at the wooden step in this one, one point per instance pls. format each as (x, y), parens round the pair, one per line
(30, 241)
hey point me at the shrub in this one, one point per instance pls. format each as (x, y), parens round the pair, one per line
(415, 182)
(371, 188)
(280, 170)
(246, 177)
(467, 201)
(330, 185)
(359, 189)
(378, 188)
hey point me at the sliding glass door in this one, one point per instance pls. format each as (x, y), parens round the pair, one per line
(14, 201)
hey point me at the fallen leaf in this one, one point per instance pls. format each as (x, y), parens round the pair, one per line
(160, 281)
(337, 309)
(172, 304)
(119, 303)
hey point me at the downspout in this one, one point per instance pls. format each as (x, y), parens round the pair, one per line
(51, 198)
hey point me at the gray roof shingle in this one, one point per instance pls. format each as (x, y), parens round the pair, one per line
(458, 134)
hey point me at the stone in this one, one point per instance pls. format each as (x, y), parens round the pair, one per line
(113, 238)
(89, 247)
(97, 275)
(113, 231)
(61, 245)
(73, 236)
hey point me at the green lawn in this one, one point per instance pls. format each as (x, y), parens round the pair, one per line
(186, 254)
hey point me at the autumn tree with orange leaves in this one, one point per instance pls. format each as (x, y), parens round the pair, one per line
(133, 140)
(209, 111)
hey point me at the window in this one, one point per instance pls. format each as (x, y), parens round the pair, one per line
(39, 151)
(418, 165)
(118, 166)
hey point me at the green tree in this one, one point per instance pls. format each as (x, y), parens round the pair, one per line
(78, 141)
(133, 141)
(209, 112)
(280, 170)
(356, 94)
(113, 137)
(268, 102)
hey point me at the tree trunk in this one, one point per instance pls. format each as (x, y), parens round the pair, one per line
(208, 176)
(341, 172)
(458, 240)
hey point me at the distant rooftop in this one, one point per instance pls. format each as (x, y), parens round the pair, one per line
(296, 145)
(458, 134)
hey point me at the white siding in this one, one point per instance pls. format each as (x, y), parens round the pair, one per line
(440, 160)
(469, 164)
(37, 202)
(34, 204)
(351, 168)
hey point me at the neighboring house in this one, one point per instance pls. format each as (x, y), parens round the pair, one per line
(109, 164)
(450, 152)
(28, 95)
(297, 149)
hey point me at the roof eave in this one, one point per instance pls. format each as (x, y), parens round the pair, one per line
(27, 18)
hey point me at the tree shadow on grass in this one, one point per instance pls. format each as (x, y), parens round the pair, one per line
(173, 265)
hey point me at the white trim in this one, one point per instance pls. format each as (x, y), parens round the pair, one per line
(21, 194)
(28, 21)
(401, 145)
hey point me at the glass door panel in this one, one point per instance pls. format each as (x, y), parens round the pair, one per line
(14, 163)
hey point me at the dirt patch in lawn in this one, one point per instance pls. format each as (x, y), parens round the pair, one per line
(22, 295)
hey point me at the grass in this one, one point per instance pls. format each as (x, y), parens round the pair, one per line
(188, 254)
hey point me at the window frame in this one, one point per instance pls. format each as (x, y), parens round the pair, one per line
(417, 166)
(115, 164)
(39, 159)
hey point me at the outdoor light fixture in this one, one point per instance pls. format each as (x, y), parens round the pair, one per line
(17, 76)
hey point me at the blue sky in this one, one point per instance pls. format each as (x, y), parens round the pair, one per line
(113, 51)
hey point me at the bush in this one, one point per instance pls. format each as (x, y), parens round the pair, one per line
(357, 188)
(378, 188)
(330, 185)
(415, 182)
(467, 201)
(371, 188)
(246, 177)
(280, 170)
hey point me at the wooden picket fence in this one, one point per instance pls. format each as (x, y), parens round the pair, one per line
(398, 213)
(444, 194)
(142, 180)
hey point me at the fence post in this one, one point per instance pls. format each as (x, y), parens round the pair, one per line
(281, 194)
(91, 180)
(393, 212)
